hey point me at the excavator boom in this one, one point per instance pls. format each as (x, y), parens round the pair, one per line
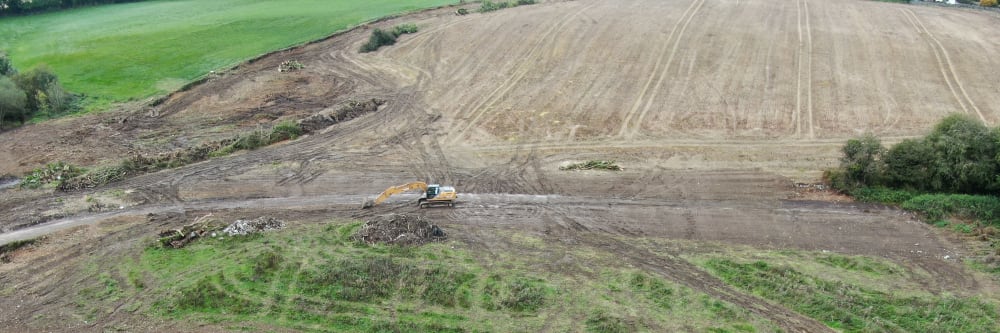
(394, 190)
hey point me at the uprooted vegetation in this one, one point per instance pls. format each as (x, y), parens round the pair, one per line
(346, 112)
(66, 177)
(592, 165)
(139, 164)
(398, 229)
(206, 226)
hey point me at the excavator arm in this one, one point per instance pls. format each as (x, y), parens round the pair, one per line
(394, 190)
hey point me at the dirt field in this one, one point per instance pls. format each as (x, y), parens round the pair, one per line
(714, 108)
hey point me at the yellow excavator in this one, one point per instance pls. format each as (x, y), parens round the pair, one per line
(434, 195)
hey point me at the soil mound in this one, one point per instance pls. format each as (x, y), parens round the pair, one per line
(399, 229)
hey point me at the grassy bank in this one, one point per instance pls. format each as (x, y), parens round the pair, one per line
(314, 278)
(126, 51)
(850, 293)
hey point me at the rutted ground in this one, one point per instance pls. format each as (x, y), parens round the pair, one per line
(712, 107)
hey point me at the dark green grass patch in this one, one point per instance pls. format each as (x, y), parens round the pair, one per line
(852, 308)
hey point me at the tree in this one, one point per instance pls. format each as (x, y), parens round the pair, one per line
(862, 161)
(6, 67)
(41, 84)
(964, 156)
(12, 101)
(908, 164)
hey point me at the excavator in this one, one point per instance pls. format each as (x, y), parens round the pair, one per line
(434, 195)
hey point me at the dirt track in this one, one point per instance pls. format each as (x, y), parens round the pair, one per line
(714, 108)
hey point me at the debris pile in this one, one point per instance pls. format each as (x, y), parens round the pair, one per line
(205, 227)
(246, 227)
(347, 111)
(399, 229)
(290, 65)
(178, 238)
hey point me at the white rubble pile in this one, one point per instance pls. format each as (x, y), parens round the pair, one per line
(246, 227)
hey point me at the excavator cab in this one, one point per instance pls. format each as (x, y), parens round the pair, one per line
(438, 195)
(432, 191)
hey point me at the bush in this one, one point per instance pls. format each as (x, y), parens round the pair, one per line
(862, 162)
(381, 37)
(882, 195)
(489, 6)
(401, 29)
(984, 208)
(960, 155)
(286, 130)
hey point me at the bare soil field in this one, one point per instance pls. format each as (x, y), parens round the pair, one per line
(714, 108)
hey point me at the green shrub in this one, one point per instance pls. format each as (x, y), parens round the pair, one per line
(287, 130)
(381, 37)
(489, 6)
(938, 206)
(882, 195)
(408, 28)
(862, 163)
(56, 172)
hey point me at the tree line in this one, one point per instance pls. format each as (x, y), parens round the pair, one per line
(26, 94)
(20, 7)
(960, 155)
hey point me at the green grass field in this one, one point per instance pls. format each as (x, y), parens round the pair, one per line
(131, 51)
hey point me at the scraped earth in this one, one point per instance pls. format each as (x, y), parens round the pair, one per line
(715, 109)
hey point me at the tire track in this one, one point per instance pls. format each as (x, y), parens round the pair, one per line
(657, 73)
(945, 64)
(809, 70)
(805, 49)
(656, 89)
(521, 70)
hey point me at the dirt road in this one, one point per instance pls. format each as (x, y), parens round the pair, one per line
(714, 108)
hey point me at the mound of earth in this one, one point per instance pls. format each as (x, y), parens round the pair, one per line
(399, 229)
